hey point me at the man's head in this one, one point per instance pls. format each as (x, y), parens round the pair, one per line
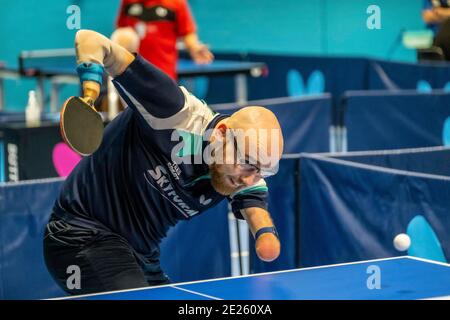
(247, 147)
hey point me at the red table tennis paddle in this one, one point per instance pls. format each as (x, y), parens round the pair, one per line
(81, 126)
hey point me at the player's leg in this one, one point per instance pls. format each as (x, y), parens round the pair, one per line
(105, 260)
(151, 267)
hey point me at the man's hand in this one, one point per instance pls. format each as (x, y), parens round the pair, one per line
(198, 51)
(94, 47)
(201, 54)
(267, 245)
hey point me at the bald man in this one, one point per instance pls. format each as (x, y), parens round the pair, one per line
(167, 157)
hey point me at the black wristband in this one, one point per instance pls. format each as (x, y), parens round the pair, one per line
(266, 230)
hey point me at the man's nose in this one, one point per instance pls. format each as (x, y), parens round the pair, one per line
(250, 179)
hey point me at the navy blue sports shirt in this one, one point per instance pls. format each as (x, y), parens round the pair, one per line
(131, 185)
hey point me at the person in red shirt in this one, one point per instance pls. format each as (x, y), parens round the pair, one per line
(159, 23)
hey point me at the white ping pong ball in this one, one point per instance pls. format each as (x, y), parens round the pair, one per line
(256, 72)
(402, 242)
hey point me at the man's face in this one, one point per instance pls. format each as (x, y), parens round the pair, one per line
(241, 157)
(228, 176)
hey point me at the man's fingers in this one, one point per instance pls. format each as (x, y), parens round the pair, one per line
(203, 56)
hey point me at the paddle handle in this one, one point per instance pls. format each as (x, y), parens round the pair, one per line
(91, 91)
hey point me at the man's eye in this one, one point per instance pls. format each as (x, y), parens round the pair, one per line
(250, 168)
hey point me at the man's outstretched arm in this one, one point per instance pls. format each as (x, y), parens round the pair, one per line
(144, 87)
(91, 46)
(267, 244)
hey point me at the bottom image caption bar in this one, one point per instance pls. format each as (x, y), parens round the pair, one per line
(224, 309)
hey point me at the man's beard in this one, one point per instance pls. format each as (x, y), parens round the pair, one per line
(218, 181)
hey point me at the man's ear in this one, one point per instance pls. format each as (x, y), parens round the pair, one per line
(222, 129)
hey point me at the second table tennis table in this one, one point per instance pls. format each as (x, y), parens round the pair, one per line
(59, 67)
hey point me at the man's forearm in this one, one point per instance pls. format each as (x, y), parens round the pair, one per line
(191, 41)
(443, 13)
(91, 46)
(257, 218)
(267, 245)
(430, 17)
(437, 15)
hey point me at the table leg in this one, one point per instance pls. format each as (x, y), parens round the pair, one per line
(54, 97)
(40, 92)
(2, 161)
(240, 88)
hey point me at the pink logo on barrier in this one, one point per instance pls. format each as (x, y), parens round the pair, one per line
(64, 159)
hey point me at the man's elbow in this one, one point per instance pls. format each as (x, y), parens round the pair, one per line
(268, 247)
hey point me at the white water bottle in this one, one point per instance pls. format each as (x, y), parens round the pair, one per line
(32, 111)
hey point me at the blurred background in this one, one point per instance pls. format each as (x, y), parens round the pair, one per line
(317, 28)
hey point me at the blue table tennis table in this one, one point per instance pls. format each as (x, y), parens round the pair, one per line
(400, 278)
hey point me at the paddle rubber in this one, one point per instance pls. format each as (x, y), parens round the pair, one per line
(81, 126)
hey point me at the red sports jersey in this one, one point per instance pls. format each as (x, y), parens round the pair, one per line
(159, 23)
